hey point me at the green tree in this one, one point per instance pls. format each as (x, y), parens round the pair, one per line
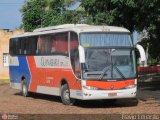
(43, 13)
(30, 17)
(38, 13)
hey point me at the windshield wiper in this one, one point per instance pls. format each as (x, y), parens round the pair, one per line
(103, 72)
(121, 74)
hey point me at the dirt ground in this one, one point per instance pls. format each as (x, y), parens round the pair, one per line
(11, 101)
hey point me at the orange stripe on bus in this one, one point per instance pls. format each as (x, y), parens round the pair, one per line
(110, 85)
(39, 76)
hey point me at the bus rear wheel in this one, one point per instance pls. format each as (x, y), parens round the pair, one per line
(24, 90)
(65, 95)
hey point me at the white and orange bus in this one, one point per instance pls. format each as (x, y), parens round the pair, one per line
(75, 62)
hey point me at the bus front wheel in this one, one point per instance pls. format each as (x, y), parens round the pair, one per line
(65, 95)
(24, 90)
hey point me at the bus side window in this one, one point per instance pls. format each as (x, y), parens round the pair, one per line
(61, 43)
(32, 45)
(25, 46)
(22, 46)
(53, 49)
(49, 42)
(17, 44)
(14, 46)
(74, 54)
(11, 47)
(39, 43)
(44, 44)
(53, 44)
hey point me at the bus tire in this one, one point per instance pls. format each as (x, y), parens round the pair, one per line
(24, 89)
(65, 95)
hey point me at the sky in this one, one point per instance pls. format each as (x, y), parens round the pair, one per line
(135, 37)
(73, 5)
(10, 16)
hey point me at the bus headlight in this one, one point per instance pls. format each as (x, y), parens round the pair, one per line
(90, 88)
(131, 86)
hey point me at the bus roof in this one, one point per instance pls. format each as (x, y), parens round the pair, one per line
(78, 28)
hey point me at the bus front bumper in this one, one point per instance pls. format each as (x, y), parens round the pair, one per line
(108, 94)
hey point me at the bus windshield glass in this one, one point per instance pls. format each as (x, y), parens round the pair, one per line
(105, 39)
(108, 56)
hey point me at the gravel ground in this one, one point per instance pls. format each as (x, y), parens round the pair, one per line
(11, 101)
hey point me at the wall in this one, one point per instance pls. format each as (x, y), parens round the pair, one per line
(4, 48)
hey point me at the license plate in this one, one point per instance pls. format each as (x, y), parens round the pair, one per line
(112, 94)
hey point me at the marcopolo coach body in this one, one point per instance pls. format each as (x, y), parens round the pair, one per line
(75, 62)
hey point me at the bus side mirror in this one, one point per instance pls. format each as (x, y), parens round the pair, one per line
(81, 54)
(142, 53)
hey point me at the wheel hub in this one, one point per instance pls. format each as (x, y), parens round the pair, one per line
(24, 89)
(66, 94)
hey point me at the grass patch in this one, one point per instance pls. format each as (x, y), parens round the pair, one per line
(4, 80)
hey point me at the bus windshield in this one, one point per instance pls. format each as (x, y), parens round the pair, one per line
(108, 56)
(105, 39)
